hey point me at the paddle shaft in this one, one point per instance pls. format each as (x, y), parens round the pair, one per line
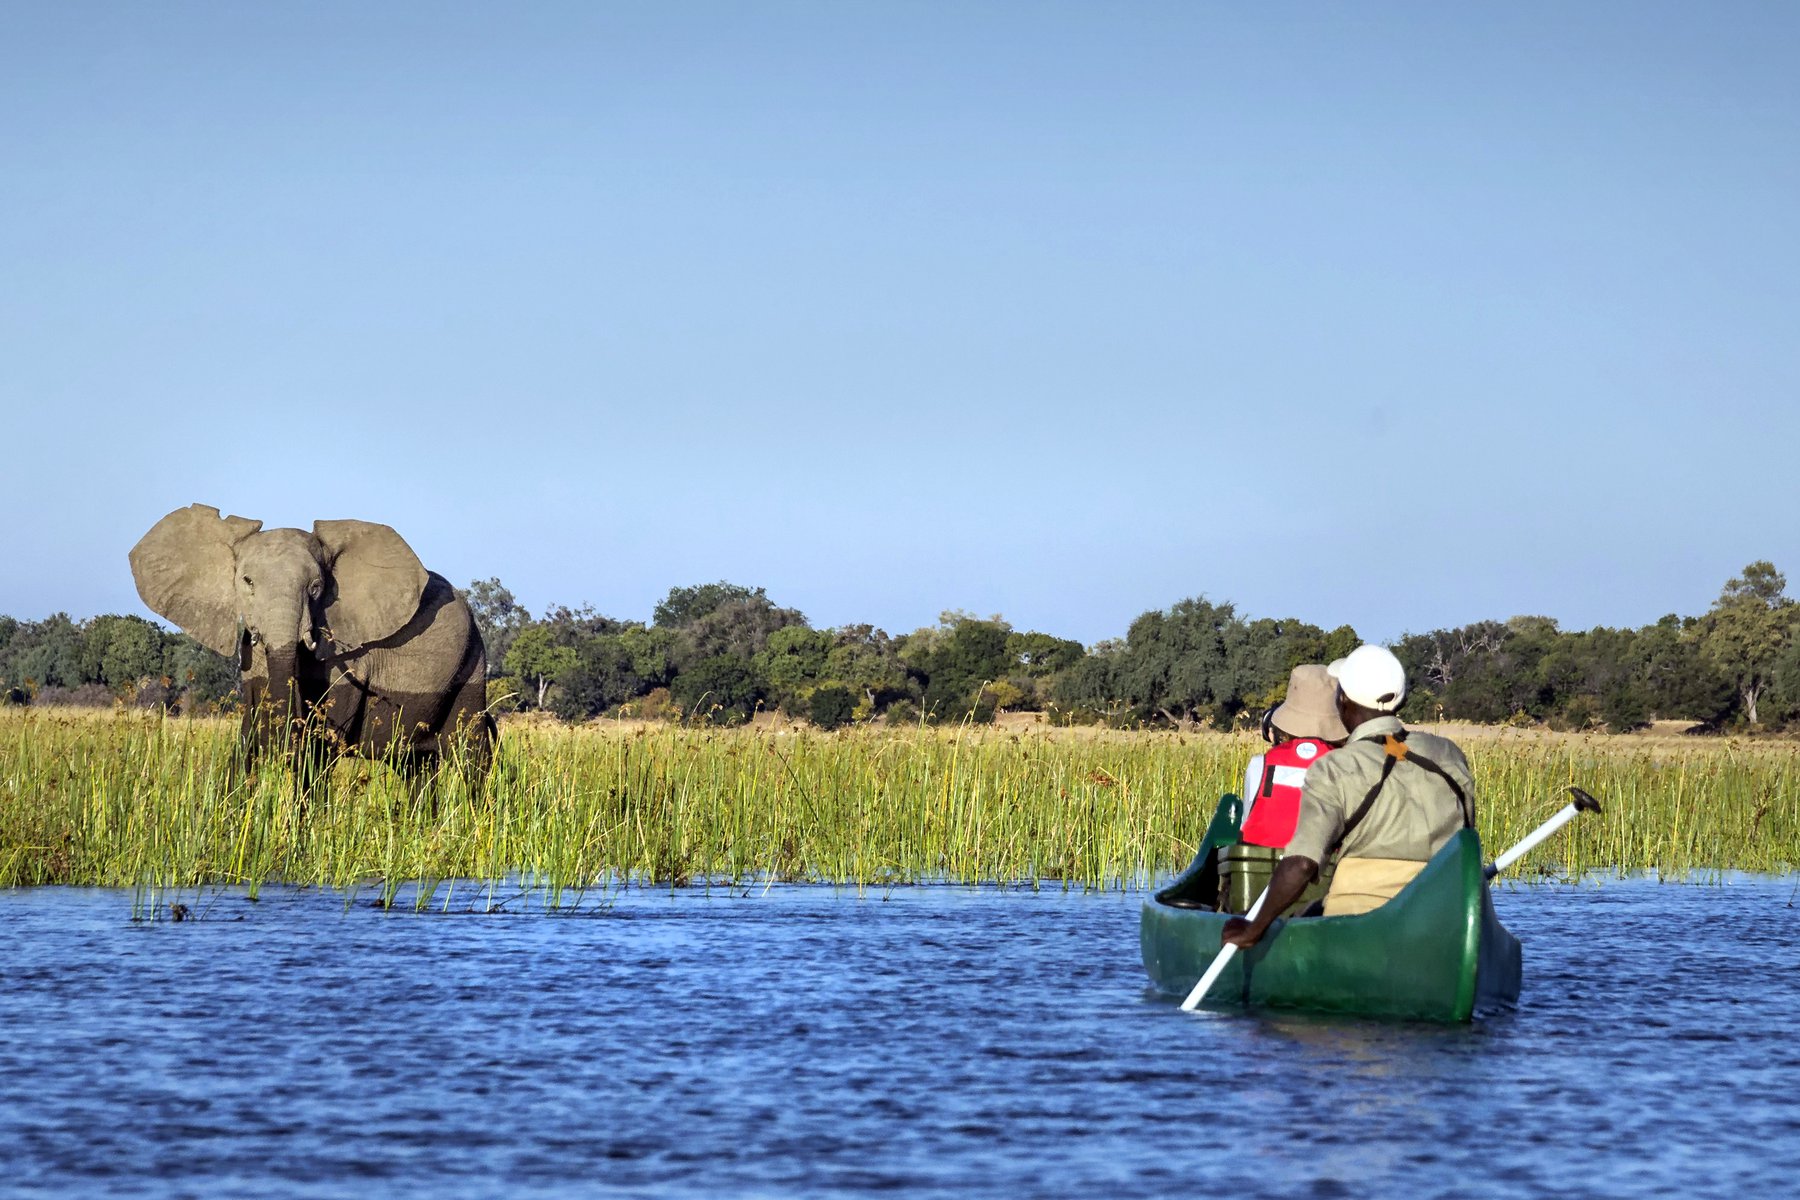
(1218, 963)
(1582, 803)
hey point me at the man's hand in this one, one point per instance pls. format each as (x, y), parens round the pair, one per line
(1240, 934)
(1292, 874)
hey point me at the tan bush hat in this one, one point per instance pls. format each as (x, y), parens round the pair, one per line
(1310, 709)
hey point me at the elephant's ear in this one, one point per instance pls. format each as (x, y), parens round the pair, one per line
(184, 567)
(376, 581)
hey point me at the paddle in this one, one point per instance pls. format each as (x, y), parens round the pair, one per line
(1218, 963)
(1582, 803)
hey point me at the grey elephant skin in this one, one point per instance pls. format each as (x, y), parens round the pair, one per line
(345, 642)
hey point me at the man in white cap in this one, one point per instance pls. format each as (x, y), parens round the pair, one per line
(1390, 799)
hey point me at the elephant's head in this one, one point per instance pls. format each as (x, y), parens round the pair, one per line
(231, 585)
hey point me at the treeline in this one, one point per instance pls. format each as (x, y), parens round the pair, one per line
(109, 659)
(720, 652)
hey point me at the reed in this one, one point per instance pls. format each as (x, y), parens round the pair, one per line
(140, 801)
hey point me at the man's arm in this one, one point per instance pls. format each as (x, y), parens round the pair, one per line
(1291, 877)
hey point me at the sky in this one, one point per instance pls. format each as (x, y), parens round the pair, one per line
(1399, 315)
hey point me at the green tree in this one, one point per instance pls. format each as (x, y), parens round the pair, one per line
(1678, 679)
(203, 676)
(1486, 671)
(955, 660)
(538, 655)
(685, 605)
(44, 654)
(866, 660)
(1784, 688)
(1747, 631)
(121, 652)
(499, 617)
(831, 706)
(601, 676)
(652, 652)
(1091, 686)
(721, 619)
(1174, 664)
(737, 628)
(723, 690)
(1040, 655)
(792, 661)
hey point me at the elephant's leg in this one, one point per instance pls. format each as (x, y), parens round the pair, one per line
(391, 732)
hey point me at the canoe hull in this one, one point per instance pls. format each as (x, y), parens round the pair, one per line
(1435, 952)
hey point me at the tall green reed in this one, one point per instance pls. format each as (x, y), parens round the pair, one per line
(146, 802)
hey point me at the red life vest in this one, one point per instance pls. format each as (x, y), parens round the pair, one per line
(1276, 807)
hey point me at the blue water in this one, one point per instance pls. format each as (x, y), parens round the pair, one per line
(922, 1042)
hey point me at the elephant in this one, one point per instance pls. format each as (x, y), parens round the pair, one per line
(344, 642)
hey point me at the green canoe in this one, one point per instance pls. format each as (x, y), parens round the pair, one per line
(1435, 952)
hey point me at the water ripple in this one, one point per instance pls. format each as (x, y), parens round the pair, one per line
(929, 1042)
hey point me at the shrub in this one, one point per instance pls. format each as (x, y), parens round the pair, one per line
(1006, 695)
(831, 706)
(1578, 713)
(505, 693)
(1624, 708)
(941, 707)
(724, 690)
(157, 693)
(654, 705)
(87, 695)
(600, 679)
(901, 712)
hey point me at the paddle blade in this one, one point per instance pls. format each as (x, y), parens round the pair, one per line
(1207, 980)
(1583, 801)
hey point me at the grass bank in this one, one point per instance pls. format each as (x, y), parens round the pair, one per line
(140, 801)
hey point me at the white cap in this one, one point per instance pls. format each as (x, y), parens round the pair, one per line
(1372, 677)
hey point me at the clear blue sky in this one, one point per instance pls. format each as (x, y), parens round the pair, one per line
(1399, 315)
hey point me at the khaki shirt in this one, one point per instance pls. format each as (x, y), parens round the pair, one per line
(1413, 817)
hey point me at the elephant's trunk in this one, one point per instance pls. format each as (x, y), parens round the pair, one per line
(279, 707)
(284, 680)
(285, 627)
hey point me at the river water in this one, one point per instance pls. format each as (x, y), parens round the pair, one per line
(927, 1041)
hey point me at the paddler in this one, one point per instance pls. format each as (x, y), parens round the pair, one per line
(1389, 800)
(1301, 730)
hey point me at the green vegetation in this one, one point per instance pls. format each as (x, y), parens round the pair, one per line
(718, 653)
(109, 659)
(724, 651)
(143, 800)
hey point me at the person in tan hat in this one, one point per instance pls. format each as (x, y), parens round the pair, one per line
(1390, 799)
(1301, 730)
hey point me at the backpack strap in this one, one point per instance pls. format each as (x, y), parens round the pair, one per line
(1462, 799)
(1395, 751)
